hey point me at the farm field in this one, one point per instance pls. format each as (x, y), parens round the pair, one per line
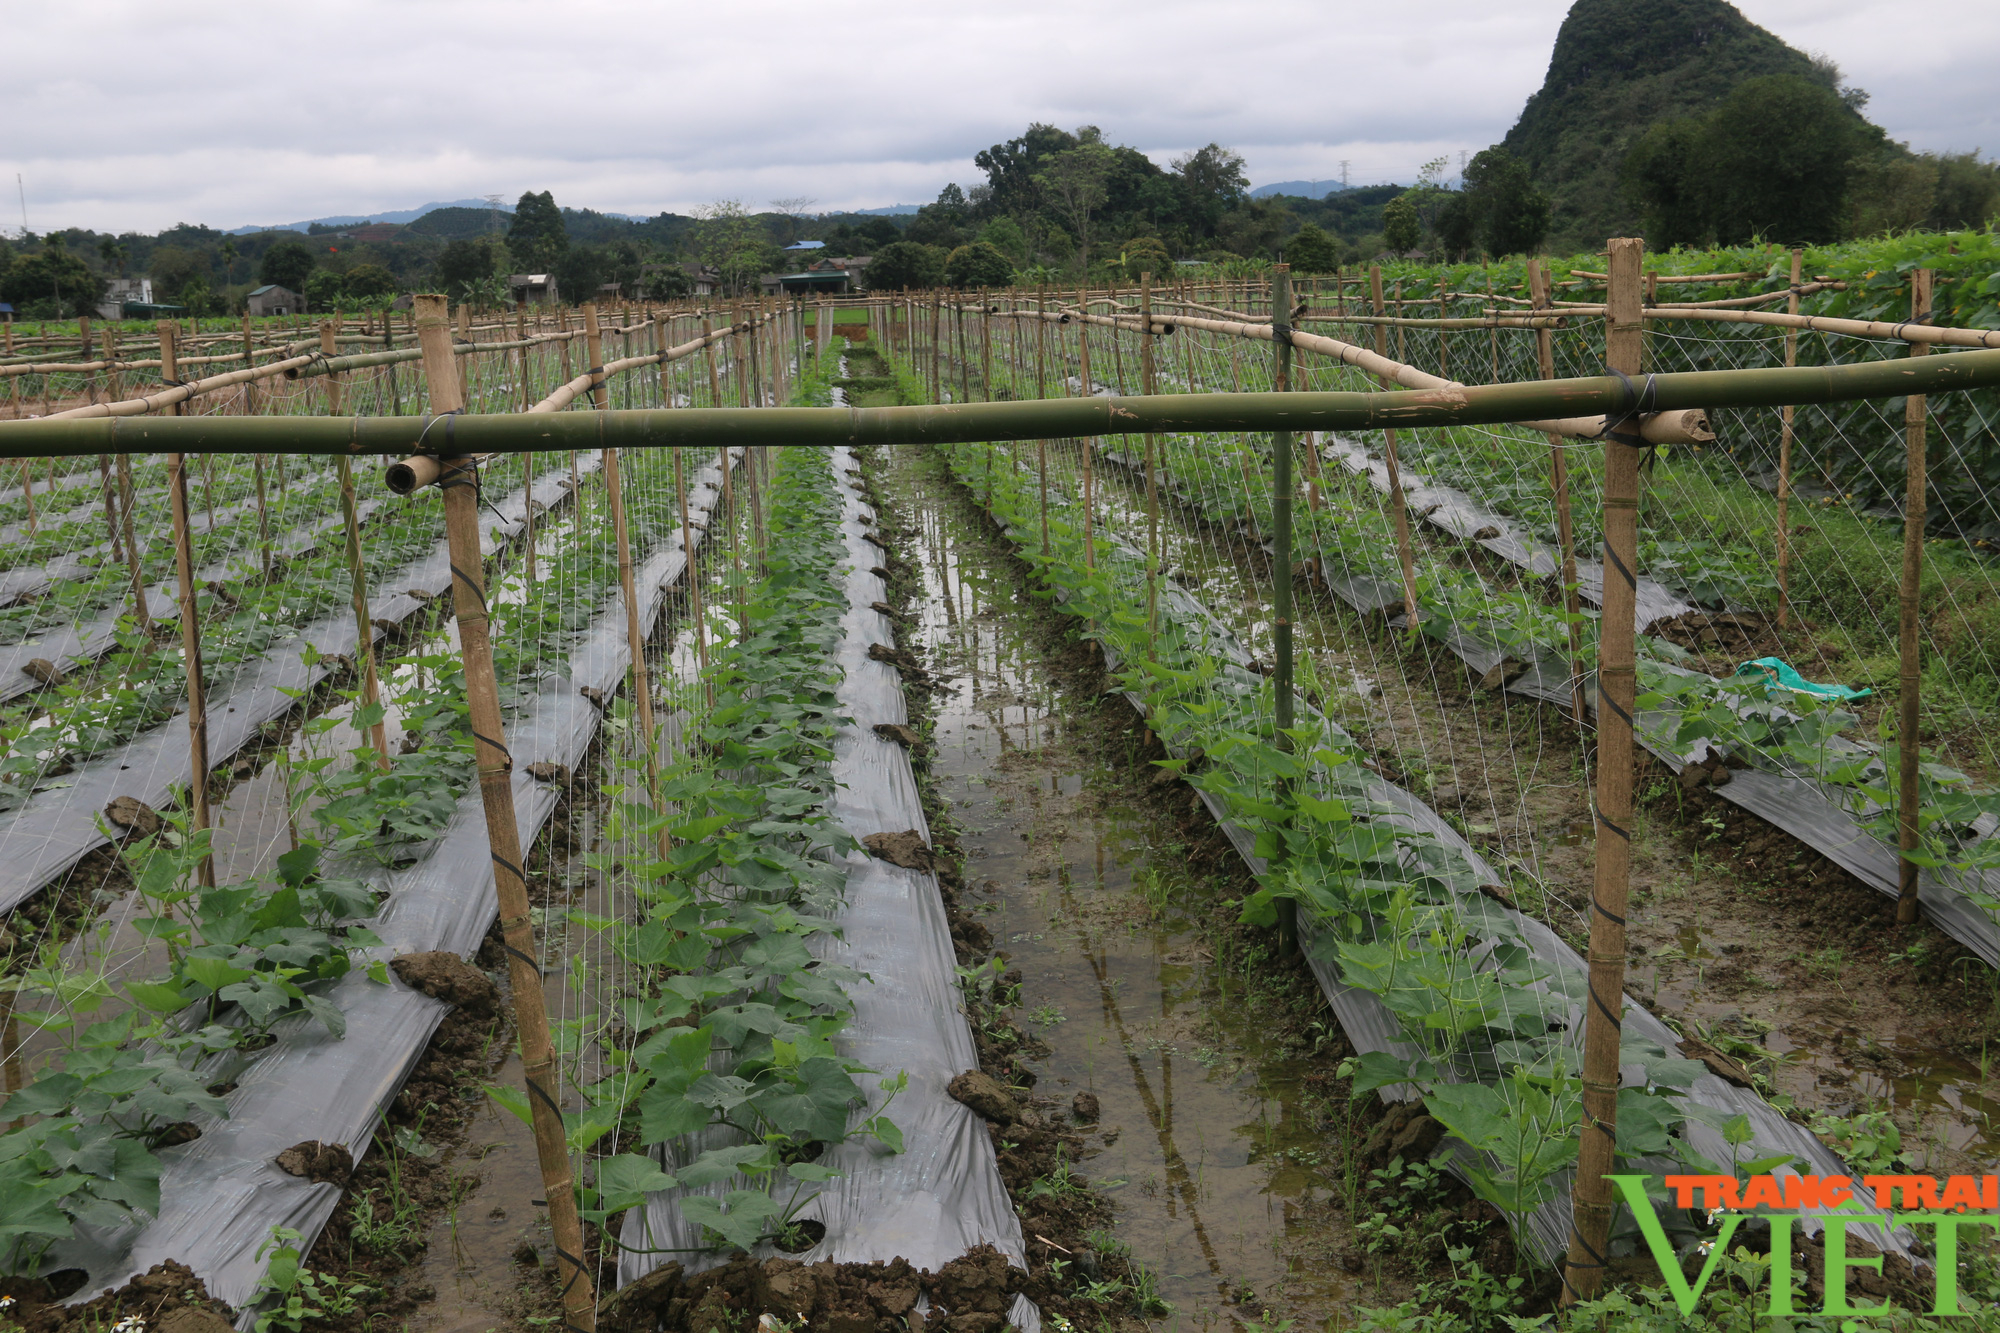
(541, 826)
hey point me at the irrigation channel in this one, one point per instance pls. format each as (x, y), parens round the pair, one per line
(890, 853)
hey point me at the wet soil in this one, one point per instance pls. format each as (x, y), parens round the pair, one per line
(1193, 1070)
(1740, 934)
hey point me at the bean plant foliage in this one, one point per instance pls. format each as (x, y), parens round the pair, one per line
(244, 957)
(727, 1070)
(1489, 1033)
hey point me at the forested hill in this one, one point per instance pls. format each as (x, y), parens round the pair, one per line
(1618, 67)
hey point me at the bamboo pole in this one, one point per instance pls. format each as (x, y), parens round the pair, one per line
(364, 625)
(1399, 514)
(197, 703)
(593, 337)
(1785, 455)
(1909, 725)
(1152, 472)
(521, 336)
(693, 583)
(459, 481)
(635, 633)
(249, 363)
(1281, 565)
(1593, 1202)
(140, 613)
(1538, 284)
(1463, 405)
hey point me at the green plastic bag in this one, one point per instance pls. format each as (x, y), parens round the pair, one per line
(1779, 672)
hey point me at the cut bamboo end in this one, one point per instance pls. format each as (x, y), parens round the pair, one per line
(412, 474)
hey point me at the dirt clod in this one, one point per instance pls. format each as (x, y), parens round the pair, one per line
(321, 1163)
(1085, 1108)
(443, 975)
(906, 849)
(547, 771)
(637, 1306)
(985, 1095)
(897, 732)
(134, 816)
(887, 610)
(43, 672)
(900, 658)
(1720, 1065)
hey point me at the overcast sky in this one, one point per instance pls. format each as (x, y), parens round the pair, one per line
(135, 116)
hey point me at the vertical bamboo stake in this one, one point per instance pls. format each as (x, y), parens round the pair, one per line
(140, 613)
(249, 360)
(687, 548)
(1538, 292)
(635, 634)
(1785, 454)
(1398, 513)
(1593, 1204)
(593, 337)
(364, 625)
(1281, 558)
(1909, 725)
(531, 1016)
(521, 336)
(1152, 445)
(191, 652)
(28, 483)
(708, 350)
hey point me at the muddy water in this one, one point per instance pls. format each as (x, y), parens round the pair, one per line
(1718, 949)
(1211, 1160)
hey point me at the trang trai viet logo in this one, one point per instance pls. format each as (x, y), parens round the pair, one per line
(1908, 1201)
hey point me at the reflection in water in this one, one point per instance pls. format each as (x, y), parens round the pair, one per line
(1203, 1142)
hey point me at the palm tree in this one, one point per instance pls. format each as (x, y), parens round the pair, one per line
(228, 253)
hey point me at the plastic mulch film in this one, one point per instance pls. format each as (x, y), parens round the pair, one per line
(1371, 1026)
(1796, 804)
(222, 1193)
(57, 827)
(73, 645)
(942, 1194)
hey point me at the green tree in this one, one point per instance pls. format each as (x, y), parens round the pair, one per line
(1312, 251)
(1401, 230)
(286, 264)
(735, 244)
(56, 278)
(537, 237)
(906, 266)
(369, 282)
(174, 268)
(228, 252)
(1507, 213)
(1075, 182)
(1213, 182)
(1145, 254)
(325, 289)
(463, 265)
(1006, 236)
(978, 265)
(1772, 160)
(1456, 226)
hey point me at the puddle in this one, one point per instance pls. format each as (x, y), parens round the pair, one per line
(1720, 952)
(1211, 1162)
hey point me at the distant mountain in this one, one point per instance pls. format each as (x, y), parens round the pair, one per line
(1299, 189)
(405, 215)
(893, 210)
(1618, 67)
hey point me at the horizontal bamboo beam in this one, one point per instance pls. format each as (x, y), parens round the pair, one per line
(1688, 426)
(1057, 418)
(1860, 328)
(565, 394)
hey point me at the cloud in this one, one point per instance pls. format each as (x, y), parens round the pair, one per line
(231, 113)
